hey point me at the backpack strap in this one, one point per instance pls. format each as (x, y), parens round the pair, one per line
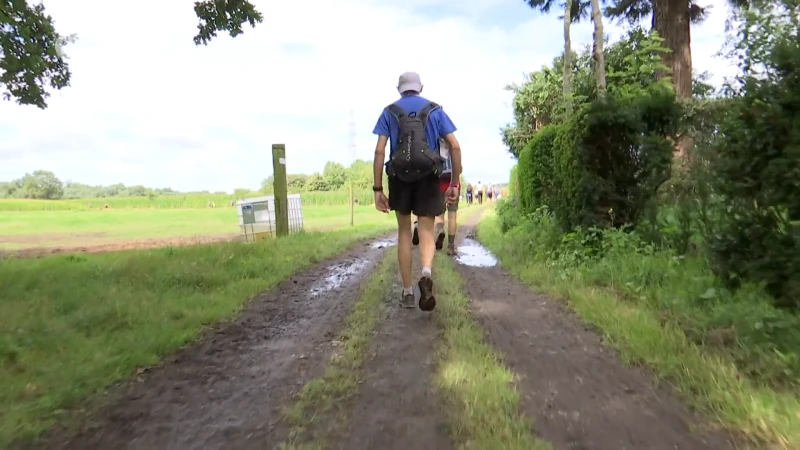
(396, 111)
(426, 111)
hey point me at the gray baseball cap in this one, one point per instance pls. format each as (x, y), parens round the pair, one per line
(409, 81)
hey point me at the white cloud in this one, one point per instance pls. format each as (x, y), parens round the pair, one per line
(148, 107)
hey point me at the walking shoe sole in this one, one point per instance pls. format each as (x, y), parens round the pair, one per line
(426, 303)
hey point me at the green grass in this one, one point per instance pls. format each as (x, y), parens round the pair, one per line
(52, 228)
(70, 325)
(319, 397)
(482, 403)
(642, 302)
(193, 200)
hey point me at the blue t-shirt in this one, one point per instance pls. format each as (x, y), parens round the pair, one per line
(439, 124)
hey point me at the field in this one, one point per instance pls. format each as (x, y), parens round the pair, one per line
(49, 230)
(173, 201)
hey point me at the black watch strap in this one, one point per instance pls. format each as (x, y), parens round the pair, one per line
(377, 188)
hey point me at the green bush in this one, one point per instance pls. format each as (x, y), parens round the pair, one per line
(611, 158)
(536, 169)
(512, 182)
(757, 163)
(509, 214)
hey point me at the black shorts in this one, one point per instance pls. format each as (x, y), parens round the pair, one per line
(424, 198)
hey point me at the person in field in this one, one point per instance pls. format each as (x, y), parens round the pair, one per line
(490, 193)
(469, 193)
(413, 126)
(479, 193)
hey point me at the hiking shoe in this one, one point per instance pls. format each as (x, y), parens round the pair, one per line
(415, 236)
(407, 301)
(451, 250)
(426, 299)
(440, 241)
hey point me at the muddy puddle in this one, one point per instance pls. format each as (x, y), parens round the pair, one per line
(471, 253)
(383, 244)
(338, 274)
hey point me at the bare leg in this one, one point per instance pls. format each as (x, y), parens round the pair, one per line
(426, 244)
(438, 231)
(452, 227)
(451, 222)
(404, 248)
(414, 234)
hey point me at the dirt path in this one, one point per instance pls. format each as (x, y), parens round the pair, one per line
(396, 407)
(227, 391)
(113, 245)
(576, 390)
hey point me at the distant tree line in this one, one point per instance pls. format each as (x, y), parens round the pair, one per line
(45, 185)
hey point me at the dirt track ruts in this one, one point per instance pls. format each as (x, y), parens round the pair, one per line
(227, 391)
(580, 395)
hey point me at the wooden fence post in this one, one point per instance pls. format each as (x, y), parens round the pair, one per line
(280, 189)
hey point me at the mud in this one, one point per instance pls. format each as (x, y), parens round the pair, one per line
(396, 407)
(578, 392)
(105, 246)
(227, 391)
(384, 244)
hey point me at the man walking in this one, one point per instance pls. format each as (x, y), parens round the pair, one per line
(450, 207)
(413, 126)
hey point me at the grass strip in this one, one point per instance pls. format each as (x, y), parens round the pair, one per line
(482, 402)
(340, 381)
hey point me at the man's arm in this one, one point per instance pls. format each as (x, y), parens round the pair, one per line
(380, 157)
(382, 130)
(455, 156)
(447, 131)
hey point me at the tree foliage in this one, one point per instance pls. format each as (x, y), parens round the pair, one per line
(756, 159)
(32, 58)
(631, 64)
(224, 15)
(736, 195)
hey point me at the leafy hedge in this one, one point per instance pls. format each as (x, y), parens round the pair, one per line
(756, 168)
(535, 171)
(604, 165)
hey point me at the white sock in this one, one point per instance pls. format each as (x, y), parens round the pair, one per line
(426, 271)
(408, 291)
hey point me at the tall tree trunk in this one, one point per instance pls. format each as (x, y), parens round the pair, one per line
(599, 57)
(567, 58)
(671, 21)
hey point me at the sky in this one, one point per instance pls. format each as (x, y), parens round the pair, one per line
(146, 106)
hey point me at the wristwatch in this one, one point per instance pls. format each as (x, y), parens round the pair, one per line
(377, 188)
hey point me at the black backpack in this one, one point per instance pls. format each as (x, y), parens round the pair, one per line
(413, 159)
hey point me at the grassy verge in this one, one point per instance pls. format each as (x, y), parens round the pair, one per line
(71, 325)
(482, 404)
(340, 380)
(637, 298)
